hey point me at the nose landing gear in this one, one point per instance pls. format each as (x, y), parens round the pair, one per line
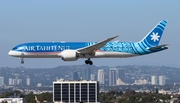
(22, 60)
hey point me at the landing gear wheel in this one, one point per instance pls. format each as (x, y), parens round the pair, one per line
(22, 62)
(88, 62)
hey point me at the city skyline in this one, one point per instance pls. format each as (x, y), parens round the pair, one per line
(108, 77)
(125, 75)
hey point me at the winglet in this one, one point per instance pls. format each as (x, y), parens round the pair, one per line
(109, 39)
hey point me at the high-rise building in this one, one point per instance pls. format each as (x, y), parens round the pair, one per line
(1, 80)
(11, 81)
(154, 80)
(75, 75)
(120, 73)
(28, 81)
(101, 76)
(19, 81)
(162, 80)
(75, 91)
(92, 77)
(15, 81)
(87, 73)
(112, 77)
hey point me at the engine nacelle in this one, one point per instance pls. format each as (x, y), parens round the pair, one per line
(69, 55)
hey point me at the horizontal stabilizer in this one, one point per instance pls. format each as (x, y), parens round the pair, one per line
(163, 46)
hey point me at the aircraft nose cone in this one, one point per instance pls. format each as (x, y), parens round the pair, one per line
(10, 53)
(14, 53)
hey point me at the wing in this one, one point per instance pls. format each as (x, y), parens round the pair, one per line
(95, 46)
(159, 47)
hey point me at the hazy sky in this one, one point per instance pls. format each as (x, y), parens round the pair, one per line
(88, 20)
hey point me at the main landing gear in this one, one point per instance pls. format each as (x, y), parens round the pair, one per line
(88, 61)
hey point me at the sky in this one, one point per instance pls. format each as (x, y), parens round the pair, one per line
(88, 20)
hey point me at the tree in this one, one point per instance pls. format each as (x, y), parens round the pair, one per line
(6, 94)
(4, 102)
(45, 96)
(30, 98)
(157, 90)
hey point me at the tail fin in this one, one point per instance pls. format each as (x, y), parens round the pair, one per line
(154, 36)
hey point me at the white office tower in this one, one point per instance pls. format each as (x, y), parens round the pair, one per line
(112, 77)
(19, 81)
(28, 81)
(84, 91)
(101, 76)
(1, 80)
(162, 80)
(92, 77)
(11, 81)
(154, 80)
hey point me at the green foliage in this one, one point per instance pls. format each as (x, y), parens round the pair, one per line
(156, 90)
(110, 96)
(45, 96)
(6, 94)
(4, 102)
(30, 98)
(131, 96)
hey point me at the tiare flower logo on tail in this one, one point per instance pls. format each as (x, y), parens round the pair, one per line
(155, 37)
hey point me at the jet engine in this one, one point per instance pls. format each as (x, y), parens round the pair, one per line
(69, 55)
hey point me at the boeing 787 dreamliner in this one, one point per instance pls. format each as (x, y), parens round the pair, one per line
(72, 51)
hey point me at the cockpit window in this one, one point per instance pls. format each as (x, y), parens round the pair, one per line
(14, 48)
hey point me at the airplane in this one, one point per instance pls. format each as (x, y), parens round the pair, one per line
(72, 51)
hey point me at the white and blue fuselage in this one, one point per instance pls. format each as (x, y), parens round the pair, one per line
(70, 51)
(54, 49)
